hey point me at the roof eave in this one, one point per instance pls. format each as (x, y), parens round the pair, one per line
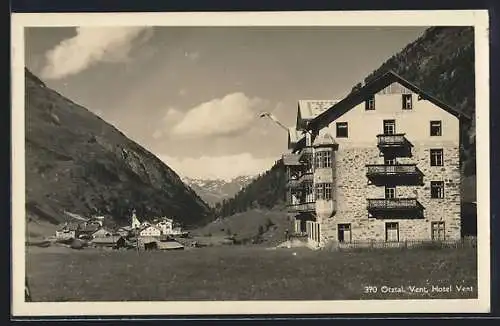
(374, 86)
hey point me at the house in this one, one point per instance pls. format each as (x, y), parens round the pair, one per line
(87, 229)
(98, 220)
(124, 231)
(67, 231)
(158, 243)
(150, 231)
(382, 164)
(166, 225)
(101, 233)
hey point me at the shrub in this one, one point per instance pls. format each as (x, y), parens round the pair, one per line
(260, 231)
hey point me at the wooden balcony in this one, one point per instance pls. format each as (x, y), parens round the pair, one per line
(396, 143)
(306, 154)
(395, 208)
(306, 177)
(293, 183)
(302, 207)
(402, 174)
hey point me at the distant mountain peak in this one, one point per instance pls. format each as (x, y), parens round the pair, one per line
(216, 190)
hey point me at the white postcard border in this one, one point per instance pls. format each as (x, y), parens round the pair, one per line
(476, 18)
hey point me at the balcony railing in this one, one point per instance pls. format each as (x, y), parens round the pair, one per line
(293, 183)
(397, 169)
(394, 140)
(394, 204)
(305, 154)
(302, 207)
(306, 176)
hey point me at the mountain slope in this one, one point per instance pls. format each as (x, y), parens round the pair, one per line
(441, 62)
(265, 191)
(77, 162)
(214, 191)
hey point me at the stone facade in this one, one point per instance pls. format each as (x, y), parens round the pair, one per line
(351, 188)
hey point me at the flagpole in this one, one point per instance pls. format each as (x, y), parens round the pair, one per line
(273, 118)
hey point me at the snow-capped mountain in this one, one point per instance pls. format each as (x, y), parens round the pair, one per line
(213, 191)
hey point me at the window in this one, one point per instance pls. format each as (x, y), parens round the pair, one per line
(344, 232)
(370, 103)
(437, 189)
(319, 191)
(437, 230)
(436, 157)
(407, 102)
(392, 231)
(389, 127)
(435, 128)
(342, 131)
(317, 159)
(323, 191)
(390, 192)
(309, 192)
(327, 163)
(328, 191)
(323, 159)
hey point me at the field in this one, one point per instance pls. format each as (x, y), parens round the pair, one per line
(245, 227)
(247, 273)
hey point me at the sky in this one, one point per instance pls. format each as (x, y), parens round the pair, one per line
(192, 95)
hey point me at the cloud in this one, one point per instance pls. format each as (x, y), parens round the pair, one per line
(219, 167)
(194, 56)
(172, 114)
(183, 92)
(225, 116)
(157, 134)
(89, 46)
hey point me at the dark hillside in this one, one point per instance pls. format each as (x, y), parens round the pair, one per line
(76, 162)
(265, 191)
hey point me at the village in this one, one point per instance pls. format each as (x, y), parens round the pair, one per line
(160, 234)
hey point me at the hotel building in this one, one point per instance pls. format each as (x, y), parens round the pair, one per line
(382, 164)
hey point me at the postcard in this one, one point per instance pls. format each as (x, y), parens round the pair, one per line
(250, 163)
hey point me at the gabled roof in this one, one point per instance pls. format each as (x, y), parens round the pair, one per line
(372, 87)
(147, 227)
(309, 109)
(294, 136)
(103, 231)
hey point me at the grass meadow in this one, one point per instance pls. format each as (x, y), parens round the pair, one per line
(245, 273)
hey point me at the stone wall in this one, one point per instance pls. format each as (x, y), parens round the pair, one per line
(353, 189)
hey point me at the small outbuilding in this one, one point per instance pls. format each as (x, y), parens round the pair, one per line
(101, 233)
